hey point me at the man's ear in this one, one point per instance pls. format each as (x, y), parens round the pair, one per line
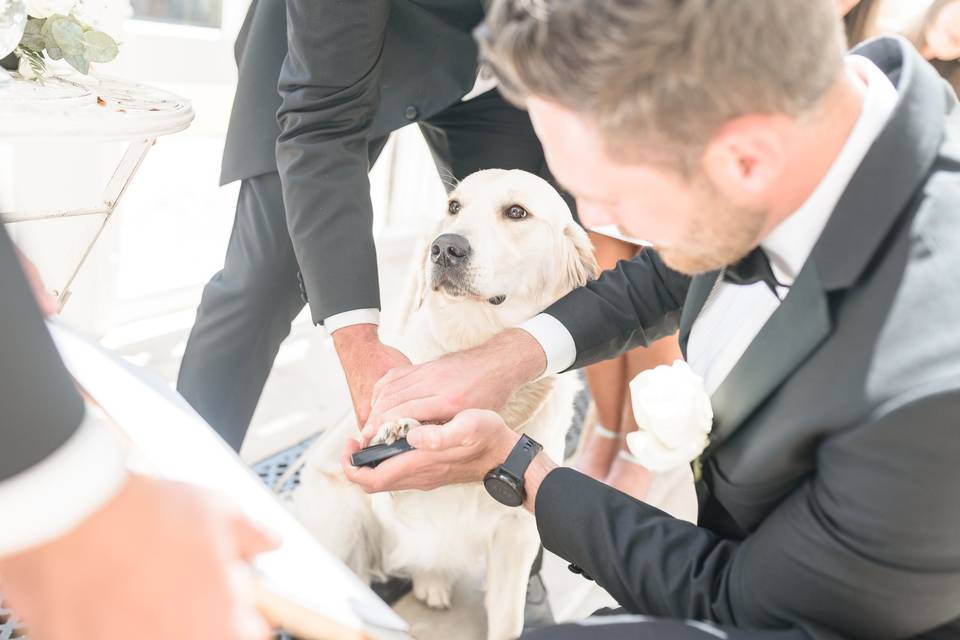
(579, 263)
(747, 157)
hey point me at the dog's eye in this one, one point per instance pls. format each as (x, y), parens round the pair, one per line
(454, 207)
(516, 212)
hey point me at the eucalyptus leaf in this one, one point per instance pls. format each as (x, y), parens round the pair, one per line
(78, 62)
(46, 30)
(33, 35)
(99, 47)
(55, 53)
(69, 37)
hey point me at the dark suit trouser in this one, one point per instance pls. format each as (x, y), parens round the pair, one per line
(614, 625)
(247, 308)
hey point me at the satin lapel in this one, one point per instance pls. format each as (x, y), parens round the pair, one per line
(795, 329)
(700, 288)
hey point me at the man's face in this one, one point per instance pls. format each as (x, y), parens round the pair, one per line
(692, 226)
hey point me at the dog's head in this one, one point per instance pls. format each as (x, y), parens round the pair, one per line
(507, 248)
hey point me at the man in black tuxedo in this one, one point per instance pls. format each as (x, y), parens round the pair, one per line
(348, 74)
(805, 211)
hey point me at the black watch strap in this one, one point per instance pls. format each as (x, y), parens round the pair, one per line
(520, 457)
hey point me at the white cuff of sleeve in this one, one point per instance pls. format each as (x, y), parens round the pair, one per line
(350, 318)
(555, 340)
(59, 492)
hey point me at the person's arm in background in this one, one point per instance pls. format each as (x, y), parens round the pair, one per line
(80, 533)
(330, 86)
(630, 306)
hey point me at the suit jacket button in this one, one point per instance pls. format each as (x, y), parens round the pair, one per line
(411, 112)
(575, 569)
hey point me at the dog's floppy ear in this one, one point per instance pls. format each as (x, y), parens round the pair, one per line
(580, 265)
(416, 289)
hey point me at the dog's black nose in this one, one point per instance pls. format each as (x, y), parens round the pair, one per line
(450, 250)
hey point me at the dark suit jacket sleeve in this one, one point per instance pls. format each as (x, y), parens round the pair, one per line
(39, 407)
(866, 548)
(630, 306)
(329, 84)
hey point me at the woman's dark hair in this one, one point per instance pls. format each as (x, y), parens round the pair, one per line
(859, 21)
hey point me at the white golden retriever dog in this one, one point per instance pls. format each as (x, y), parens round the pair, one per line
(507, 248)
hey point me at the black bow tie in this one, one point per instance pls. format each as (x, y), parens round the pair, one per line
(752, 268)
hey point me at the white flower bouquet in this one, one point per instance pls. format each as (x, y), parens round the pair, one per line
(57, 30)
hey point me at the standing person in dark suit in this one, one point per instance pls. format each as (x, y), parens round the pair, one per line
(89, 551)
(349, 73)
(805, 208)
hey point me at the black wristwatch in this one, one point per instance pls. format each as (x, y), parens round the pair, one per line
(505, 483)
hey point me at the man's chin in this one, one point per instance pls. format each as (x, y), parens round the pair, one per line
(686, 263)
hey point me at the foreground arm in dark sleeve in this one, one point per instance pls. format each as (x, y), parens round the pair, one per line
(40, 407)
(629, 306)
(865, 548)
(329, 84)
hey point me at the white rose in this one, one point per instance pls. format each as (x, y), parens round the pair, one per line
(673, 414)
(46, 8)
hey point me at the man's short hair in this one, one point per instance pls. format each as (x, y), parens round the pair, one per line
(665, 74)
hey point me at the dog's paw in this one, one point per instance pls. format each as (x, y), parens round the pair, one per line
(390, 432)
(432, 590)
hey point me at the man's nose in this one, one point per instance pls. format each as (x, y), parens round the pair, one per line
(450, 250)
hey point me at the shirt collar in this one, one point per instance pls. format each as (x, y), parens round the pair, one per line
(789, 245)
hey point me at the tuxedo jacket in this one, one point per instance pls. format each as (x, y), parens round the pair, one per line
(348, 73)
(39, 406)
(830, 492)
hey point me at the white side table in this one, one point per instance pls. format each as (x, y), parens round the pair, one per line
(88, 109)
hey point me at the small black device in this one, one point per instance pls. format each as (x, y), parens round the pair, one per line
(373, 455)
(505, 483)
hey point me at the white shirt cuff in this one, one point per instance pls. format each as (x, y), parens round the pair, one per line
(350, 318)
(555, 340)
(59, 492)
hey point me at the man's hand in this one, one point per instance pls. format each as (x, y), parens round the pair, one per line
(481, 378)
(365, 360)
(160, 561)
(463, 450)
(48, 306)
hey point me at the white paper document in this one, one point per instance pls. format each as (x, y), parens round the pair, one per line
(177, 444)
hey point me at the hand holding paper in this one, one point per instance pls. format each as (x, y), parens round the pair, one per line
(173, 568)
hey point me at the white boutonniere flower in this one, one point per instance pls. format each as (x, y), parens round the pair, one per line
(673, 414)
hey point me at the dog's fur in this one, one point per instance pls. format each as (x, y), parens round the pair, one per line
(435, 537)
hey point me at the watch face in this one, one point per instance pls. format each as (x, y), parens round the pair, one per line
(502, 491)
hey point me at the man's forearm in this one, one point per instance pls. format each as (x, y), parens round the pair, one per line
(323, 147)
(516, 354)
